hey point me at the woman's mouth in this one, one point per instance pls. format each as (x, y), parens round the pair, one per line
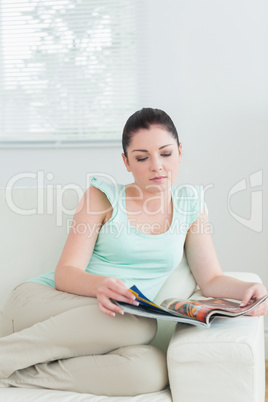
(158, 179)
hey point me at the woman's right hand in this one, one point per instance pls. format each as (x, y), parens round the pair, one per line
(112, 288)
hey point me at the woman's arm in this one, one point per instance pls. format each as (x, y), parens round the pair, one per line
(204, 264)
(92, 212)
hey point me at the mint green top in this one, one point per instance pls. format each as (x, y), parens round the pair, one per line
(122, 251)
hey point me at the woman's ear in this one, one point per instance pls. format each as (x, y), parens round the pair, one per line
(126, 162)
(180, 152)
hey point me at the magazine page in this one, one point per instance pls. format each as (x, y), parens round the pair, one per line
(196, 312)
(150, 307)
(146, 311)
(143, 300)
(194, 309)
(199, 309)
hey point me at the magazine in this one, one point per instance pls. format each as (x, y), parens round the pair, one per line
(196, 312)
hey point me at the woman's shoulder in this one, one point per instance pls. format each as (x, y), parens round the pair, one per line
(189, 200)
(93, 202)
(188, 191)
(108, 186)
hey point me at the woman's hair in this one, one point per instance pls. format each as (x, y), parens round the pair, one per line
(144, 119)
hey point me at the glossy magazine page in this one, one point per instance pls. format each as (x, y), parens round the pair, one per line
(196, 312)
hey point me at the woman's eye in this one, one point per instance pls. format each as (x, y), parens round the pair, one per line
(166, 154)
(142, 159)
(146, 157)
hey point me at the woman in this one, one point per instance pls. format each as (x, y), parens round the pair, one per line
(62, 330)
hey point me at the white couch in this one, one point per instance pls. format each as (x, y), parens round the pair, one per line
(222, 363)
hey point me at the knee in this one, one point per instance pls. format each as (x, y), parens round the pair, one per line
(145, 371)
(143, 329)
(153, 373)
(148, 326)
(6, 325)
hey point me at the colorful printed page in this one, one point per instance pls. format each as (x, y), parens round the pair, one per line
(199, 309)
(143, 300)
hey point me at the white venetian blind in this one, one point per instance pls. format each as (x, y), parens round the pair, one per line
(67, 68)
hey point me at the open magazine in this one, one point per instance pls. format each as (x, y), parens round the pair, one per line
(196, 312)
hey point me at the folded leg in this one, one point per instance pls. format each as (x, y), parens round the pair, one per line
(75, 327)
(127, 371)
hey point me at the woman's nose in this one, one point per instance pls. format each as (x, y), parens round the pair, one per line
(156, 164)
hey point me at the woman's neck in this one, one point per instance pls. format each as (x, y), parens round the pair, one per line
(149, 201)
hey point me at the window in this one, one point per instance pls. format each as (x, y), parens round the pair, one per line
(68, 68)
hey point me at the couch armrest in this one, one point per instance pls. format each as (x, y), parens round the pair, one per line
(224, 362)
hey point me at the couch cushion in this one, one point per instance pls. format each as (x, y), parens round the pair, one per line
(33, 231)
(42, 395)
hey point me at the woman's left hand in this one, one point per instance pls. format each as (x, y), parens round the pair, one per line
(253, 293)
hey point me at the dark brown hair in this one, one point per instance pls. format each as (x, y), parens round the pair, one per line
(144, 119)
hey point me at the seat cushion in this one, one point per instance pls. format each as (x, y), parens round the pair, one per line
(226, 359)
(43, 395)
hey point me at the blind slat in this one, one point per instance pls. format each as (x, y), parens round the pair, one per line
(68, 68)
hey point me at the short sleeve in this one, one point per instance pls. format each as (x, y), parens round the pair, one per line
(189, 202)
(110, 189)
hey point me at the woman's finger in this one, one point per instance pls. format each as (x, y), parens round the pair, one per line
(120, 297)
(106, 311)
(247, 296)
(260, 310)
(115, 289)
(110, 308)
(121, 289)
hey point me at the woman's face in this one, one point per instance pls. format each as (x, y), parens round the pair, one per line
(153, 158)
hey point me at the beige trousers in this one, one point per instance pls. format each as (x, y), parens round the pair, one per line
(57, 340)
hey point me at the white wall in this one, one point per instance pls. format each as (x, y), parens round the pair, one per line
(207, 67)
(208, 64)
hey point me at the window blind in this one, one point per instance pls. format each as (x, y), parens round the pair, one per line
(68, 68)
